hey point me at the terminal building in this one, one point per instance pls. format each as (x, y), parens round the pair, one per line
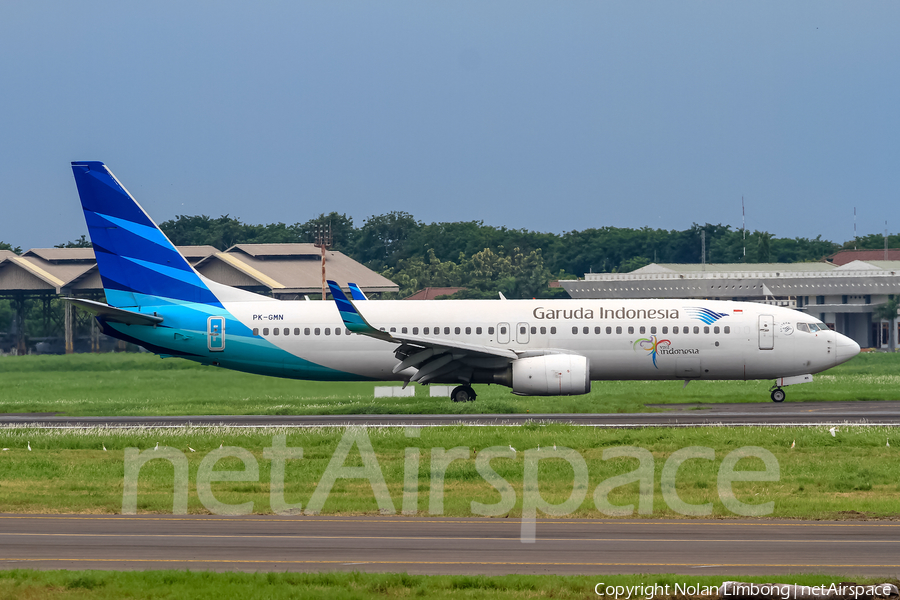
(843, 295)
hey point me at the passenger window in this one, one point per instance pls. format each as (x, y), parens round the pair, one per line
(727, 329)
(630, 330)
(346, 331)
(643, 329)
(543, 330)
(503, 330)
(696, 329)
(403, 330)
(425, 331)
(306, 331)
(265, 331)
(597, 330)
(706, 329)
(533, 330)
(337, 331)
(619, 329)
(447, 331)
(317, 331)
(653, 329)
(393, 330)
(478, 330)
(553, 331)
(665, 330)
(716, 329)
(415, 331)
(468, 331)
(456, 330)
(575, 330)
(296, 331)
(675, 329)
(608, 330)
(586, 330)
(490, 331)
(328, 331)
(276, 331)
(256, 331)
(523, 330)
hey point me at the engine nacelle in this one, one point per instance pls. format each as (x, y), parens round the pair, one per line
(551, 375)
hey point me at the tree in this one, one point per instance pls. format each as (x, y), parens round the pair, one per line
(5, 246)
(381, 239)
(81, 242)
(763, 247)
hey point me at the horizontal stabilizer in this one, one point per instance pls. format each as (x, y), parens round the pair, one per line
(355, 292)
(115, 315)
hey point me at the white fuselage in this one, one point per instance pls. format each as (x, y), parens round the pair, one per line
(623, 339)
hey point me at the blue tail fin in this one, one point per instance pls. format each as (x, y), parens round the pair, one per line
(134, 257)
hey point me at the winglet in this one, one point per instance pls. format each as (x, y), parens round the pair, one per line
(352, 318)
(355, 292)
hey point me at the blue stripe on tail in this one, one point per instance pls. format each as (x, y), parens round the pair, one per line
(134, 257)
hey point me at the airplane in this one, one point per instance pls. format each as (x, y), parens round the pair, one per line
(538, 347)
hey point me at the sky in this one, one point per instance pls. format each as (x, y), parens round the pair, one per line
(547, 116)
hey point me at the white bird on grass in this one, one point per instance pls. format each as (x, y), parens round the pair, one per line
(511, 448)
(554, 446)
(157, 446)
(104, 447)
(794, 443)
(29, 446)
(888, 443)
(191, 449)
(6, 450)
(833, 430)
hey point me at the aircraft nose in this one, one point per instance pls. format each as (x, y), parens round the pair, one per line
(845, 349)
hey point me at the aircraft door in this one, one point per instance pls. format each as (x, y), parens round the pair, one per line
(502, 333)
(766, 332)
(522, 333)
(215, 331)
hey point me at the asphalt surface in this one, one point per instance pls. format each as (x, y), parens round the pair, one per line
(675, 415)
(448, 546)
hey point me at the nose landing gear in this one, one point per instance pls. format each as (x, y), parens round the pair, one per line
(777, 395)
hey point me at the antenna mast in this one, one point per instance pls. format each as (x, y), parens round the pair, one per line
(744, 226)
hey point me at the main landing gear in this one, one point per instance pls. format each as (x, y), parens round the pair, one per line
(777, 395)
(463, 393)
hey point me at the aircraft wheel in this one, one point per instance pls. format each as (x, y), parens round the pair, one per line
(463, 393)
(778, 395)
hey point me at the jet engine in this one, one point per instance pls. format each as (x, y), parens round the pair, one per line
(551, 375)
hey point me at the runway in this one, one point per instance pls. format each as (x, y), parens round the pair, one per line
(448, 545)
(675, 415)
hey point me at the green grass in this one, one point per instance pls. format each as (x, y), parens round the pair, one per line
(142, 384)
(823, 477)
(22, 583)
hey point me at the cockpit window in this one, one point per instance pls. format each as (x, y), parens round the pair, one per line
(803, 327)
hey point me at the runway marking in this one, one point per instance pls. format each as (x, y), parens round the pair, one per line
(438, 562)
(435, 538)
(515, 521)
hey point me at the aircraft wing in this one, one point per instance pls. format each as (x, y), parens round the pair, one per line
(116, 315)
(433, 358)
